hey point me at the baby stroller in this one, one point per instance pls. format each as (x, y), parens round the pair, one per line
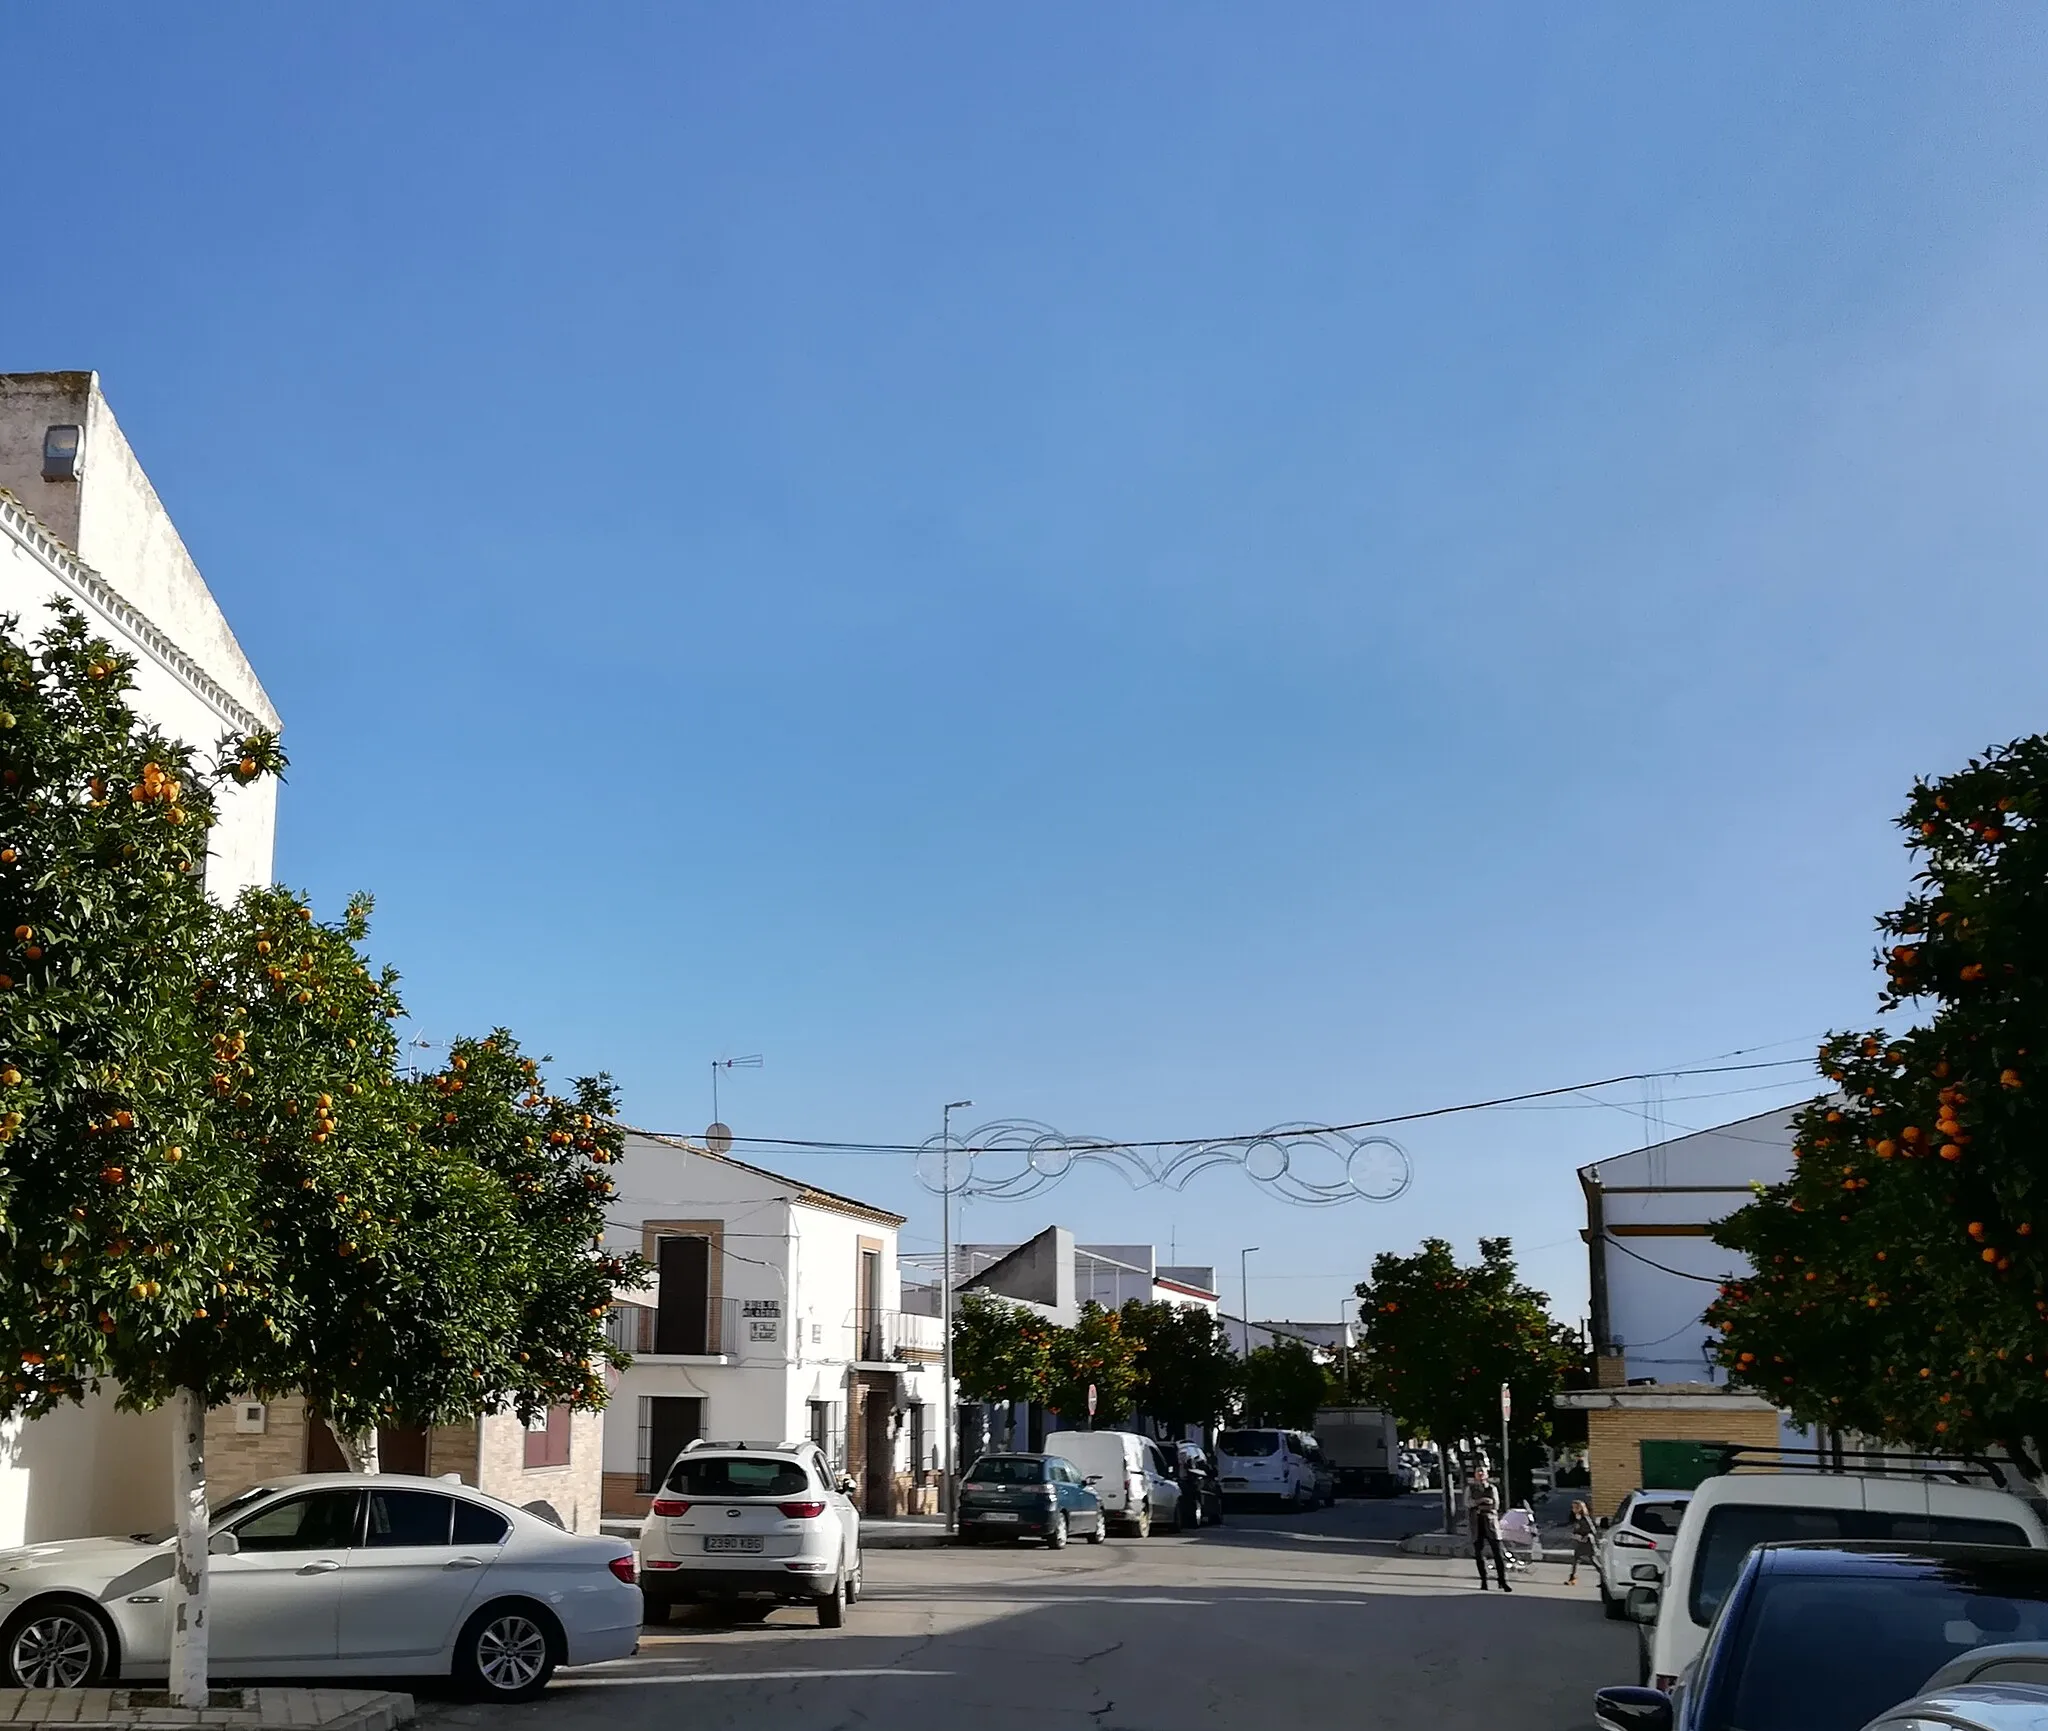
(1519, 1540)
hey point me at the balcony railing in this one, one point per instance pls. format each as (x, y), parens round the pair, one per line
(707, 1329)
(891, 1336)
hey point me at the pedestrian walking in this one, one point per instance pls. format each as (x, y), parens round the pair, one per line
(1482, 1512)
(1585, 1539)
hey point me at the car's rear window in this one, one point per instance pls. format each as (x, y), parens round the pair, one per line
(1732, 1531)
(711, 1476)
(1656, 1517)
(1248, 1444)
(1007, 1470)
(1831, 1652)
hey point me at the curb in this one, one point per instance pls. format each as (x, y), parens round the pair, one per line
(878, 1538)
(1458, 1545)
(261, 1709)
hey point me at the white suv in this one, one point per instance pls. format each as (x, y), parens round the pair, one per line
(751, 1521)
(1636, 1544)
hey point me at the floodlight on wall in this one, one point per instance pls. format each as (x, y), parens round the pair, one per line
(63, 452)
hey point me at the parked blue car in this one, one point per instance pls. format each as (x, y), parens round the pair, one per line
(1028, 1497)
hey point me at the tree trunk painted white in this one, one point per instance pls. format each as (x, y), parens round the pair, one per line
(358, 1448)
(188, 1598)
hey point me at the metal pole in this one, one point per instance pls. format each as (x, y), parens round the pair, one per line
(1505, 1476)
(952, 1415)
(1244, 1295)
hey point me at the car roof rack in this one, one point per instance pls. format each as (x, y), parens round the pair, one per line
(772, 1448)
(1863, 1463)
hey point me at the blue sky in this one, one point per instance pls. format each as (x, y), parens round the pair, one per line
(1163, 568)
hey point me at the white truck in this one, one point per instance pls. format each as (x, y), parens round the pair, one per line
(1363, 1445)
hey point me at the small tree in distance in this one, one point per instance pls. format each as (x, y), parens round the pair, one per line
(1095, 1353)
(1282, 1385)
(1439, 1338)
(1187, 1373)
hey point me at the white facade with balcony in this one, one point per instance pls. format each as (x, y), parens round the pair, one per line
(773, 1317)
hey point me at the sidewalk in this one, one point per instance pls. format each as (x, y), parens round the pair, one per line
(265, 1709)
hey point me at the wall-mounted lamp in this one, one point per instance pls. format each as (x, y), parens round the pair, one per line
(63, 452)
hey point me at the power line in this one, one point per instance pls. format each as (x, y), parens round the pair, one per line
(1264, 1135)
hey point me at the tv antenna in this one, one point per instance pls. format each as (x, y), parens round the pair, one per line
(718, 1138)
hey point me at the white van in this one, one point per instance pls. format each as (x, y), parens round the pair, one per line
(1267, 1465)
(1129, 1475)
(1730, 1515)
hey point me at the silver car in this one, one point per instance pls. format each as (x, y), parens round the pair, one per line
(332, 1575)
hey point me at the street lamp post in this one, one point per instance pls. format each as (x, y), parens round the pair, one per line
(1244, 1295)
(952, 1415)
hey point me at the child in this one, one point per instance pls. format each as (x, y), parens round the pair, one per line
(1585, 1535)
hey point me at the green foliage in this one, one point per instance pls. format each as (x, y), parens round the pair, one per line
(1439, 1338)
(1004, 1351)
(1186, 1371)
(1001, 1351)
(1900, 1288)
(1282, 1385)
(130, 1236)
(212, 1174)
(536, 1338)
(1094, 1351)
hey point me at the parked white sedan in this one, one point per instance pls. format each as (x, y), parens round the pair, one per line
(332, 1575)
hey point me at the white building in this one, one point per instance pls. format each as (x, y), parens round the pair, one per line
(1653, 1268)
(83, 523)
(1057, 1275)
(79, 520)
(773, 1317)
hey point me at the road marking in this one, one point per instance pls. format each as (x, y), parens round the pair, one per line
(740, 1677)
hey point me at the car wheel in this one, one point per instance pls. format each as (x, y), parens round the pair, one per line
(1056, 1534)
(654, 1608)
(1609, 1603)
(855, 1586)
(832, 1611)
(53, 1645)
(1141, 1524)
(506, 1652)
(1100, 1531)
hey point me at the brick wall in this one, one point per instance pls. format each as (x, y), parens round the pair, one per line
(236, 1460)
(576, 1491)
(1612, 1436)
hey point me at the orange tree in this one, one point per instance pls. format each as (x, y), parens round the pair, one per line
(1438, 1338)
(212, 1178)
(130, 1226)
(1899, 1285)
(1094, 1352)
(444, 1231)
(1186, 1372)
(1001, 1351)
(526, 1331)
(1282, 1384)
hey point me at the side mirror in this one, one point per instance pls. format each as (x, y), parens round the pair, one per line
(1604, 1522)
(1648, 1573)
(1094, 1479)
(1642, 1604)
(846, 1485)
(1627, 1709)
(224, 1545)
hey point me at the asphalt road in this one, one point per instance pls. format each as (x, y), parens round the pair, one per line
(1268, 1622)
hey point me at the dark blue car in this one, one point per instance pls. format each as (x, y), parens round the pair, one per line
(1028, 1497)
(1825, 1637)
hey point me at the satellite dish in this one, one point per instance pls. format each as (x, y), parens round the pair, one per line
(718, 1139)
